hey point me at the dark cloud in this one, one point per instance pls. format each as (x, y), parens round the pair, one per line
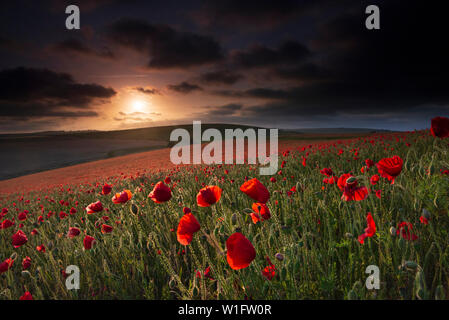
(221, 77)
(166, 47)
(184, 87)
(225, 110)
(147, 91)
(289, 52)
(253, 14)
(76, 46)
(29, 93)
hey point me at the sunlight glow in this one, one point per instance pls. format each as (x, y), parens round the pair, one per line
(138, 106)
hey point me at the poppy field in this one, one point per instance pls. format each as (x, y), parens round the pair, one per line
(225, 232)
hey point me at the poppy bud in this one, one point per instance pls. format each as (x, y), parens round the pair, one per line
(426, 214)
(351, 180)
(393, 231)
(348, 235)
(279, 256)
(409, 265)
(234, 218)
(134, 208)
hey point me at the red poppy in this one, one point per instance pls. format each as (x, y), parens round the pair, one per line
(405, 230)
(440, 127)
(26, 263)
(19, 239)
(94, 207)
(6, 224)
(73, 232)
(374, 179)
(6, 265)
(40, 248)
(88, 242)
(348, 184)
(390, 168)
(240, 251)
(327, 172)
(106, 228)
(269, 271)
(186, 210)
(167, 180)
(260, 210)
(187, 226)
(106, 189)
(208, 196)
(26, 296)
(379, 194)
(255, 190)
(370, 229)
(423, 220)
(122, 197)
(161, 193)
(369, 163)
(22, 216)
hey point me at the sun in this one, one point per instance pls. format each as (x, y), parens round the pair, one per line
(138, 106)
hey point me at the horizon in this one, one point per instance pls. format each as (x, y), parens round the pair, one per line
(206, 123)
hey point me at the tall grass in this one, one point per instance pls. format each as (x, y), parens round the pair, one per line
(314, 230)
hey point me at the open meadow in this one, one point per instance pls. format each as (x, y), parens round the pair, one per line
(225, 232)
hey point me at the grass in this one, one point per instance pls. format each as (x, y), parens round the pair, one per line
(312, 228)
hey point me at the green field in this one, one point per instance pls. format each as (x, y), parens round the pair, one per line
(312, 227)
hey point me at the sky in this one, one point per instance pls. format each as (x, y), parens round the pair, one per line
(279, 64)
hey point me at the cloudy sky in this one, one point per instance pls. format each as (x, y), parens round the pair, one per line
(285, 64)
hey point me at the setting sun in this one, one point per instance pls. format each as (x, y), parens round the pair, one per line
(138, 106)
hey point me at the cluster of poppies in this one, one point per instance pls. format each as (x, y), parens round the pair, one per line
(240, 251)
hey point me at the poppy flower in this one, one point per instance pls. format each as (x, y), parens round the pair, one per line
(348, 184)
(240, 251)
(26, 263)
(106, 189)
(379, 194)
(6, 224)
(22, 216)
(260, 210)
(26, 296)
(187, 226)
(19, 239)
(369, 163)
(269, 271)
(208, 196)
(405, 230)
(390, 168)
(73, 232)
(206, 274)
(440, 127)
(88, 242)
(122, 197)
(94, 207)
(167, 180)
(6, 265)
(327, 172)
(40, 248)
(374, 179)
(106, 228)
(161, 193)
(186, 210)
(370, 230)
(255, 190)
(423, 220)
